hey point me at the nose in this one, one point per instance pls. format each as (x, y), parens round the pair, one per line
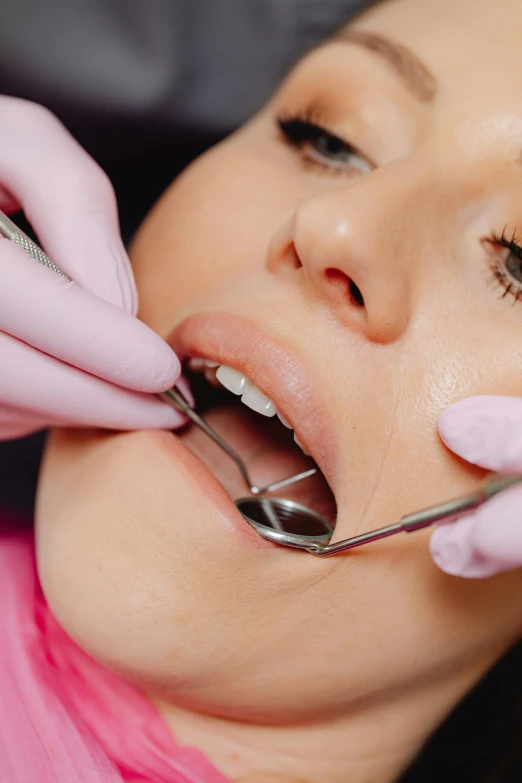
(356, 247)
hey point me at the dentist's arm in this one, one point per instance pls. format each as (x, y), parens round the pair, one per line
(487, 431)
(70, 353)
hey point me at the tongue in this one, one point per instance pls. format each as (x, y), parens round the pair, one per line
(268, 450)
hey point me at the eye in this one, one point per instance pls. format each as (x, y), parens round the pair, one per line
(506, 257)
(319, 146)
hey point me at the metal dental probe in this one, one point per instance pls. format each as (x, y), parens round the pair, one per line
(173, 396)
(427, 517)
(10, 230)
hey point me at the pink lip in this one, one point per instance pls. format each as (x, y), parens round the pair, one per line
(272, 366)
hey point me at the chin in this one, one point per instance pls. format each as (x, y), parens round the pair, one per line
(147, 564)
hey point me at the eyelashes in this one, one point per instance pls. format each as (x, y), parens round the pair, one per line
(506, 263)
(318, 146)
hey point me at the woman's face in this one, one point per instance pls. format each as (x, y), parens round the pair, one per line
(364, 277)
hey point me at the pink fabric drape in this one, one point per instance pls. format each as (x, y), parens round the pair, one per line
(63, 717)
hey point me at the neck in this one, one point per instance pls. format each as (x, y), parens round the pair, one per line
(374, 741)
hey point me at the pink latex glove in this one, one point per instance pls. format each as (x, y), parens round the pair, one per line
(70, 353)
(487, 431)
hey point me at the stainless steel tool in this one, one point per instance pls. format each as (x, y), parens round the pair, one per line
(293, 525)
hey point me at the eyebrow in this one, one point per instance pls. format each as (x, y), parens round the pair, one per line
(414, 74)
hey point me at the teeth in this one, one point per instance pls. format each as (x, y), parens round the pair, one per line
(234, 381)
(284, 421)
(237, 383)
(205, 366)
(198, 364)
(255, 399)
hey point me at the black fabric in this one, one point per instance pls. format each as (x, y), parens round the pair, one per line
(481, 741)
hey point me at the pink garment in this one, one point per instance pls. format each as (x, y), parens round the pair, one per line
(63, 717)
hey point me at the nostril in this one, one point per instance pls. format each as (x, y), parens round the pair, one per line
(293, 256)
(355, 293)
(339, 279)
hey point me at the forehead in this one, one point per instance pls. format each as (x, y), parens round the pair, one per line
(473, 47)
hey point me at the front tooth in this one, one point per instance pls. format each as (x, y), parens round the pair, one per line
(255, 399)
(234, 381)
(284, 421)
(237, 383)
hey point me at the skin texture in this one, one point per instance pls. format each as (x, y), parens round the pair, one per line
(281, 666)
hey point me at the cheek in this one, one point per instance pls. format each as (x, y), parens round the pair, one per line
(215, 220)
(388, 400)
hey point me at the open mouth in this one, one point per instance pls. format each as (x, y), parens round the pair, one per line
(257, 429)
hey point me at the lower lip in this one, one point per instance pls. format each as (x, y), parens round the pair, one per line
(226, 511)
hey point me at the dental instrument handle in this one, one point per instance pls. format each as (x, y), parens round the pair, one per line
(10, 231)
(498, 482)
(421, 519)
(425, 518)
(429, 516)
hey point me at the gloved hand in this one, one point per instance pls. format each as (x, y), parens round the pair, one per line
(70, 353)
(487, 431)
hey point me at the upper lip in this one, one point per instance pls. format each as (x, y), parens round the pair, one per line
(272, 366)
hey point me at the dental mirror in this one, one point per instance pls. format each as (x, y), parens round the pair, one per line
(291, 524)
(286, 522)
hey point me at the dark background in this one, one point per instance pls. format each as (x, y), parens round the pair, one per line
(145, 86)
